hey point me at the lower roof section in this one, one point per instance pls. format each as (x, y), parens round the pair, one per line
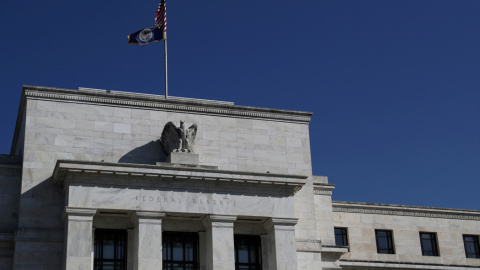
(405, 210)
(351, 264)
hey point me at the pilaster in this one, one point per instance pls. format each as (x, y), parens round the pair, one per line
(220, 253)
(78, 238)
(147, 240)
(282, 254)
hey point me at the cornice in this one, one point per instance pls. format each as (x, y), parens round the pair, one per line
(174, 177)
(185, 105)
(404, 210)
(323, 189)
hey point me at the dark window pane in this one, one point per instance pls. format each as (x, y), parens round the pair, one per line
(247, 252)
(341, 237)
(177, 251)
(180, 251)
(472, 249)
(384, 242)
(110, 249)
(428, 243)
(242, 255)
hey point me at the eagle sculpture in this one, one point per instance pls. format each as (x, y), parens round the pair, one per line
(178, 139)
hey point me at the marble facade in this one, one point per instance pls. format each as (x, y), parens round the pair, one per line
(86, 160)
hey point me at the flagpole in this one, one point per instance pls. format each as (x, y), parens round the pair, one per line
(166, 73)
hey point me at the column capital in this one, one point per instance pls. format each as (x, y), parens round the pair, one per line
(219, 220)
(280, 223)
(78, 213)
(143, 216)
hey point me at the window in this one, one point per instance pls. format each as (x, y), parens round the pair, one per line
(180, 251)
(428, 241)
(110, 251)
(384, 242)
(341, 238)
(472, 249)
(247, 252)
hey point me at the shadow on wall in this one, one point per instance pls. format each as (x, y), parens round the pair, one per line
(40, 223)
(150, 153)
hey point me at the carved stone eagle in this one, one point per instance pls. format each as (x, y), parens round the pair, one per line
(178, 139)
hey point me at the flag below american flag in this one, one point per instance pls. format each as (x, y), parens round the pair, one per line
(157, 33)
(161, 16)
(146, 36)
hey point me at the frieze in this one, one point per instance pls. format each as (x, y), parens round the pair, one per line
(432, 213)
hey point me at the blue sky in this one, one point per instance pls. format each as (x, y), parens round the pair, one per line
(394, 85)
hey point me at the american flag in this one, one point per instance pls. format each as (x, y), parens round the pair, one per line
(161, 16)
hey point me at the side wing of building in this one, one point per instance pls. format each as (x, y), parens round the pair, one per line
(382, 236)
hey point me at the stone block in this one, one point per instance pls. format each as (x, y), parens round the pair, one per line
(183, 158)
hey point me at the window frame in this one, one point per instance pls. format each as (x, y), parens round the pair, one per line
(343, 234)
(168, 241)
(254, 243)
(120, 246)
(390, 249)
(433, 242)
(475, 254)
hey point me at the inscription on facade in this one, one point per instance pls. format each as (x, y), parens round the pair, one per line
(195, 201)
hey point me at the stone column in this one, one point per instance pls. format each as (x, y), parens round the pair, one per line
(282, 253)
(78, 238)
(147, 240)
(220, 253)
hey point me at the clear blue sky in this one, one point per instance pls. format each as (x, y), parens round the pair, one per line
(394, 85)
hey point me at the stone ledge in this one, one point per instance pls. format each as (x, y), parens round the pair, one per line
(308, 245)
(339, 250)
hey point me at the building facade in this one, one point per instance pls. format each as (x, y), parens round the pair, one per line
(113, 180)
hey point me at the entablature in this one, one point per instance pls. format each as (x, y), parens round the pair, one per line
(175, 177)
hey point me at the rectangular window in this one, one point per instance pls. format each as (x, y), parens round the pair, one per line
(110, 252)
(472, 249)
(180, 251)
(428, 242)
(341, 238)
(247, 252)
(384, 242)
